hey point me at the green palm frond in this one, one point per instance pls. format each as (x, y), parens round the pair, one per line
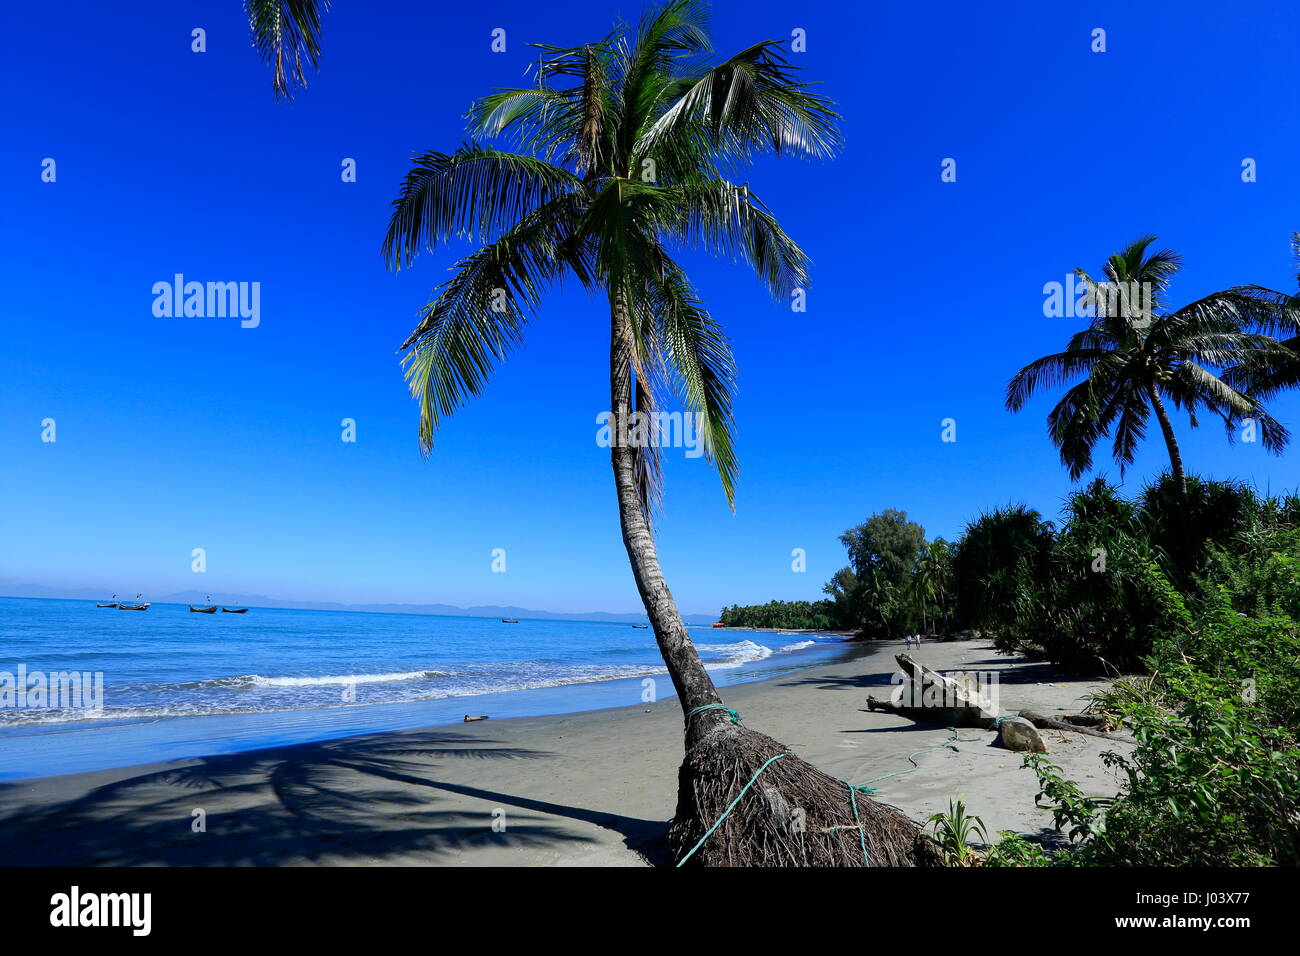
(476, 191)
(1130, 426)
(750, 104)
(1049, 371)
(285, 32)
(478, 315)
(700, 363)
(729, 220)
(572, 124)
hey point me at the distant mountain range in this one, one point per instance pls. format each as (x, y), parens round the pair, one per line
(17, 589)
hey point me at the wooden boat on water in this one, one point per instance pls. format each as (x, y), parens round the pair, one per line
(718, 624)
(204, 610)
(111, 602)
(134, 607)
(640, 627)
(506, 620)
(234, 610)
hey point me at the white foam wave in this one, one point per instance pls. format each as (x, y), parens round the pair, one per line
(341, 680)
(797, 646)
(734, 655)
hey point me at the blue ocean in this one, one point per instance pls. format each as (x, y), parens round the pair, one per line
(179, 684)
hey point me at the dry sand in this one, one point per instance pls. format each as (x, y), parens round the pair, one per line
(593, 788)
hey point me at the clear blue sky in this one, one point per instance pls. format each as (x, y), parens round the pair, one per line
(183, 433)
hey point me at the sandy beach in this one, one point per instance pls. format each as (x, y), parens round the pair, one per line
(587, 789)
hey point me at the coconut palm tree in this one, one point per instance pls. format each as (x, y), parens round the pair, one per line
(1137, 357)
(623, 152)
(932, 580)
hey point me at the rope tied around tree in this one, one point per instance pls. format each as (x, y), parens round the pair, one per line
(854, 789)
(735, 715)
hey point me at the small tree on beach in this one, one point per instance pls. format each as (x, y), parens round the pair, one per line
(623, 151)
(1136, 357)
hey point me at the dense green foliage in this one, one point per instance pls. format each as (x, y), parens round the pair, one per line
(815, 615)
(1119, 575)
(1201, 596)
(1214, 779)
(896, 581)
(1094, 590)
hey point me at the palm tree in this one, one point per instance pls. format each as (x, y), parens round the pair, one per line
(931, 580)
(1137, 358)
(880, 594)
(621, 154)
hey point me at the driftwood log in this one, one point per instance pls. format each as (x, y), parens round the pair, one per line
(1067, 722)
(929, 695)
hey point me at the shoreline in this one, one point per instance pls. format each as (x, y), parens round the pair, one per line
(57, 747)
(595, 787)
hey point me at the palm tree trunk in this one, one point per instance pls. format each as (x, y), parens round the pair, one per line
(692, 682)
(1175, 456)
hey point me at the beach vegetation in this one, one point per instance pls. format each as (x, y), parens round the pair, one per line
(955, 832)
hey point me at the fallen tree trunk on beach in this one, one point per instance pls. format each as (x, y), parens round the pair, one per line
(929, 695)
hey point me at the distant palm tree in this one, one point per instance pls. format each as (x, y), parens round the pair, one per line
(932, 579)
(285, 32)
(1136, 357)
(880, 595)
(623, 151)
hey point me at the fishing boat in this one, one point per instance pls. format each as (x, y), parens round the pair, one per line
(640, 627)
(111, 602)
(718, 624)
(506, 620)
(134, 607)
(199, 609)
(234, 610)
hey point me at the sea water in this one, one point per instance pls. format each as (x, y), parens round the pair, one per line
(179, 684)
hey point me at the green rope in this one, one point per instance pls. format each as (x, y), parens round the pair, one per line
(727, 812)
(946, 745)
(854, 789)
(862, 835)
(735, 717)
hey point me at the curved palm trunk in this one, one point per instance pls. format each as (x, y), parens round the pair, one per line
(1175, 456)
(692, 682)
